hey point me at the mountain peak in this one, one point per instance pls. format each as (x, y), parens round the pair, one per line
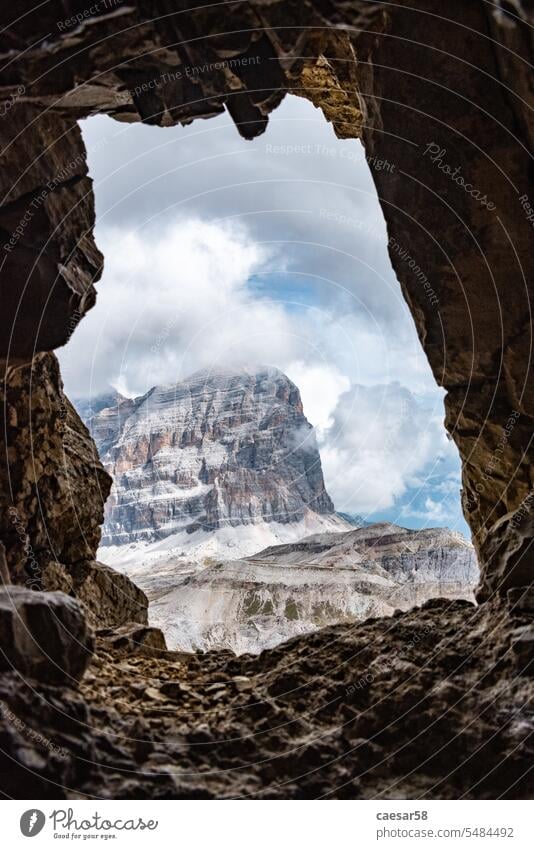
(235, 372)
(224, 447)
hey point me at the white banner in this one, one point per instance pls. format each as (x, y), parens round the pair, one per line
(264, 825)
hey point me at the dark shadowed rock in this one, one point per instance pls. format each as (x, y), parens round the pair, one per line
(53, 491)
(43, 635)
(134, 639)
(4, 568)
(427, 704)
(430, 703)
(109, 597)
(56, 578)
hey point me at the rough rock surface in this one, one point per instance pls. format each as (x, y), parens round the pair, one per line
(52, 506)
(256, 603)
(43, 635)
(217, 450)
(54, 485)
(109, 598)
(5, 576)
(135, 639)
(431, 703)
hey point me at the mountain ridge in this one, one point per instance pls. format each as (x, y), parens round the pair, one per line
(252, 603)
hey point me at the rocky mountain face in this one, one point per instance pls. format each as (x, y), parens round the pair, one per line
(254, 603)
(438, 556)
(218, 450)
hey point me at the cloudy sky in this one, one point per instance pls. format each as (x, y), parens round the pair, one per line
(220, 251)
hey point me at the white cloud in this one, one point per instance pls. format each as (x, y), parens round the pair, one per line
(381, 437)
(173, 301)
(435, 510)
(320, 388)
(296, 186)
(198, 228)
(182, 297)
(186, 215)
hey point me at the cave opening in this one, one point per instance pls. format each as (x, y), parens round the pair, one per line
(262, 264)
(430, 702)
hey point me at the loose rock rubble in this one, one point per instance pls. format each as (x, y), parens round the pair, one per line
(432, 703)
